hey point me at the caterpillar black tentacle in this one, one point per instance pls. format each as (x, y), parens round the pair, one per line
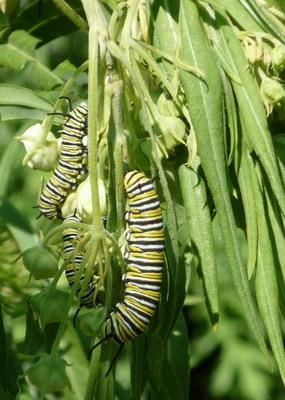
(68, 100)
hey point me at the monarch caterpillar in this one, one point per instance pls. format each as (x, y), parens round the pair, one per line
(72, 165)
(144, 259)
(70, 240)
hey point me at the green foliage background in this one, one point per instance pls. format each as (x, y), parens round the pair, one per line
(191, 91)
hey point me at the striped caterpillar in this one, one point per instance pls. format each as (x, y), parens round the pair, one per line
(144, 259)
(70, 240)
(72, 165)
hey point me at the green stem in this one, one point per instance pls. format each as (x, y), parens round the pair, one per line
(109, 278)
(118, 150)
(174, 61)
(96, 18)
(117, 248)
(97, 37)
(91, 9)
(131, 18)
(71, 14)
(154, 66)
(94, 374)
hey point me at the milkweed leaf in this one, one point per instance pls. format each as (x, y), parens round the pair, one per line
(19, 51)
(208, 129)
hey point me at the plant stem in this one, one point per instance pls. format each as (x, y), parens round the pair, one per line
(118, 149)
(97, 37)
(94, 374)
(71, 14)
(96, 29)
(117, 248)
(130, 20)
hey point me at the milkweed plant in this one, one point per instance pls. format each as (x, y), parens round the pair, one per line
(192, 94)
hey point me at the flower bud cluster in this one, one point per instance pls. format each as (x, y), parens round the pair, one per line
(267, 55)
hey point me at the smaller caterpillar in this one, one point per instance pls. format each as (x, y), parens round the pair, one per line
(70, 240)
(72, 165)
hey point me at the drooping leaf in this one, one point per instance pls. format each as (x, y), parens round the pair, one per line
(199, 225)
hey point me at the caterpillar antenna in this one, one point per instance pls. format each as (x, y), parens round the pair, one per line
(74, 317)
(68, 100)
(98, 344)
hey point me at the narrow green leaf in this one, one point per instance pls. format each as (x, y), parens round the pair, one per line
(264, 19)
(252, 111)
(194, 195)
(138, 366)
(277, 231)
(178, 354)
(105, 385)
(240, 14)
(266, 282)
(231, 117)
(170, 386)
(205, 107)
(166, 29)
(155, 358)
(249, 204)
(19, 51)
(12, 95)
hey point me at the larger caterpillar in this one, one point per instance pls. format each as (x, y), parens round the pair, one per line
(70, 240)
(72, 166)
(144, 258)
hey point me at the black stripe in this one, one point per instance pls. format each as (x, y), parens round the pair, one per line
(127, 318)
(137, 310)
(132, 174)
(53, 190)
(147, 222)
(142, 297)
(141, 186)
(146, 242)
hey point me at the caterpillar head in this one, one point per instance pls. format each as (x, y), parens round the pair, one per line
(137, 183)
